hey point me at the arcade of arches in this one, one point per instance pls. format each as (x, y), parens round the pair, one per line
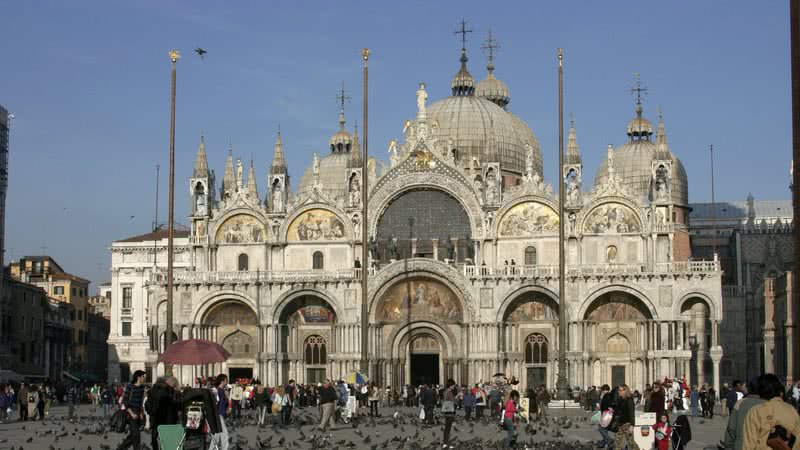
(419, 335)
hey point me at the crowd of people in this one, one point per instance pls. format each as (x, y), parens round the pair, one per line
(760, 411)
(30, 401)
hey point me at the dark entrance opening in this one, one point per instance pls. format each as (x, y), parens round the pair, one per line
(424, 369)
(537, 376)
(235, 373)
(617, 375)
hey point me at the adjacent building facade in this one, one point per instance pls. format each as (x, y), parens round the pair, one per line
(22, 340)
(754, 241)
(45, 272)
(463, 267)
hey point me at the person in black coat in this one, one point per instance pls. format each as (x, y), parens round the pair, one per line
(682, 432)
(163, 406)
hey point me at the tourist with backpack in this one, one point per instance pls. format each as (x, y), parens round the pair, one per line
(163, 406)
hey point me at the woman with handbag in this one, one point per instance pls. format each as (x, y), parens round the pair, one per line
(278, 402)
(774, 423)
(480, 401)
(507, 417)
(623, 420)
(606, 408)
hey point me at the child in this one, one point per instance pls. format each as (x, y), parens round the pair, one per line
(663, 432)
(682, 434)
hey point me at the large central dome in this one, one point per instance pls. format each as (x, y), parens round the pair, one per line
(481, 128)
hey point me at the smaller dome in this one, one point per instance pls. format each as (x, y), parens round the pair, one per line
(341, 141)
(463, 84)
(639, 126)
(493, 90)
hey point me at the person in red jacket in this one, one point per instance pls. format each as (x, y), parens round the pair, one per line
(663, 432)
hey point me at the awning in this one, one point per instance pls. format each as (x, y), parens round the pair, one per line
(84, 376)
(10, 375)
(70, 376)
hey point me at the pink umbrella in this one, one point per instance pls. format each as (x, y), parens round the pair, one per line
(194, 352)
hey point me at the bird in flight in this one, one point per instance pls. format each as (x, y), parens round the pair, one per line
(200, 52)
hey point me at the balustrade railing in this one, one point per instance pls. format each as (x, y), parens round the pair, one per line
(544, 271)
(244, 276)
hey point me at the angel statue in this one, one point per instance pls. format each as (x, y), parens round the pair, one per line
(315, 165)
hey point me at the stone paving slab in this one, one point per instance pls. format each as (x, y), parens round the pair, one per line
(396, 428)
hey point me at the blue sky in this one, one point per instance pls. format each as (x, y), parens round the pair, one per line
(88, 82)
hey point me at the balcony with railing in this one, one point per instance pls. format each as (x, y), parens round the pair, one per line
(258, 276)
(551, 271)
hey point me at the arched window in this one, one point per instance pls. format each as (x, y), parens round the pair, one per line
(243, 262)
(315, 350)
(530, 256)
(536, 349)
(318, 260)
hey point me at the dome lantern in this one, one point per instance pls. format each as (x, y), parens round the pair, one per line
(463, 84)
(491, 88)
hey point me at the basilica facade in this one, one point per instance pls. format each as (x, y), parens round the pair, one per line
(463, 260)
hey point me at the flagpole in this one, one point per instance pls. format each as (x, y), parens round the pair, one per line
(561, 382)
(364, 228)
(174, 55)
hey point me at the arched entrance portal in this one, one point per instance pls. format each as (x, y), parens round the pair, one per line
(531, 324)
(233, 325)
(424, 357)
(618, 322)
(307, 330)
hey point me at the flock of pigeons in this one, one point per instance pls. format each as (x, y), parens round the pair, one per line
(402, 431)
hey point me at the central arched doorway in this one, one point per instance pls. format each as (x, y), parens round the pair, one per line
(424, 358)
(307, 326)
(233, 325)
(531, 325)
(618, 323)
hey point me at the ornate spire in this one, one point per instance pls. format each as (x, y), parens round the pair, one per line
(201, 162)
(355, 152)
(251, 180)
(342, 97)
(489, 47)
(662, 148)
(639, 127)
(278, 161)
(573, 152)
(228, 180)
(463, 84)
(491, 88)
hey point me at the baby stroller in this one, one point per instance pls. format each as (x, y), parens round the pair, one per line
(682, 432)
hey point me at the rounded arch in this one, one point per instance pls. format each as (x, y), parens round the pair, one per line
(216, 227)
(600, 291)
(591, 209)
(287, 298)
(395, 272)
(402, 336)
(215, 299)
(518, 293)
(458, 188)
(333, 211)
(713, 311)
(417, 214)
(547, 206)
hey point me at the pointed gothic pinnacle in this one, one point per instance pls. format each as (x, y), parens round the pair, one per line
(662, 147)
(573, 152)
(278, 161)
(201, 162)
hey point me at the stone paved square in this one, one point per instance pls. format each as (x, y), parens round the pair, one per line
(82, 434)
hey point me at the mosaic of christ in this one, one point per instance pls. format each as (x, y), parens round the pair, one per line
(417, 299)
